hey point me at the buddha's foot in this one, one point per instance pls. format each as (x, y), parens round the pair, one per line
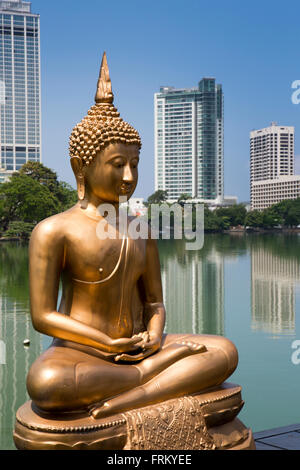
(150, 368)
(167, 356)
(173, 352)
(193, 348)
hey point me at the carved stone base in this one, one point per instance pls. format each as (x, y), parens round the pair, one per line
(204, 421)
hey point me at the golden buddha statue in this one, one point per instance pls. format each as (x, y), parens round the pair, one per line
(109, 355)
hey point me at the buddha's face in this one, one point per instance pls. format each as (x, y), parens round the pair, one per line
(113, 173)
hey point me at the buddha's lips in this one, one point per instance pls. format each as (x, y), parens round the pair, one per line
(126, 188)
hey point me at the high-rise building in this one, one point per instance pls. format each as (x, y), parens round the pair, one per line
(189, 142)
(20, 96)
(272, 152)
(272, 165)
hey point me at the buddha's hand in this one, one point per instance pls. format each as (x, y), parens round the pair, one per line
(151, 343)
(125, 345)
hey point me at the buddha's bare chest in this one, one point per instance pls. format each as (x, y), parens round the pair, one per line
(93, 260)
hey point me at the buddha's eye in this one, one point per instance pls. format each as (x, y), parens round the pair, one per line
(118, 163)
(134, 164)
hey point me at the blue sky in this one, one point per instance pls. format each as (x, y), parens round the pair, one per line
(252, 48)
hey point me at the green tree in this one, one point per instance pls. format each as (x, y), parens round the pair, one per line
(281, 210)
(293, 216)
(212, 223)
(25, 199)
(19, 230)
(270, 218)
(2, 214)
(158, 197)
(225, 222)
(254, 219)
(31, 195)
(38, 172)
(235, 214)
(182, 198)
(65, 194)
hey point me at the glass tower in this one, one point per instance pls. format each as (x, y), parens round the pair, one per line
(189, 141)
(20, 96)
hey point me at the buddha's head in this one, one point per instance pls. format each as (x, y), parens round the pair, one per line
(104, 149)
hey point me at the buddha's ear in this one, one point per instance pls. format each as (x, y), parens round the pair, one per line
(77, 165)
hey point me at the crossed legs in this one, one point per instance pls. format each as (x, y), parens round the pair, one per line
(65, 379)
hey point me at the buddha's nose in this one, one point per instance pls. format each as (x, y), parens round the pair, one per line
(128, 174)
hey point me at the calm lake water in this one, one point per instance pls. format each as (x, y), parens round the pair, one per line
(245, 287)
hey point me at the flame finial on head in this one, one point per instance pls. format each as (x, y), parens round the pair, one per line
(104, 92)
(102, 125)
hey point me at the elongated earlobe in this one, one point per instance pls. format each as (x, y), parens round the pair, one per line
(81, 187)
(77, 167)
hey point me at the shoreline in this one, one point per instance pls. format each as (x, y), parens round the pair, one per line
(13, 239)
(262, 230)
(238, 231)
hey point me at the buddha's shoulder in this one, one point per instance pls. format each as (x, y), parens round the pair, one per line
(55, 227)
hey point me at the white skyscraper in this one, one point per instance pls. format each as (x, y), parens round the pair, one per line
(272, 152)
(20, 96)
(189, 142)
(272, 166)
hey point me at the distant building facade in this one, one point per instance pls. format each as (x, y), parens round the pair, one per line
(189, 141)
(268, 192)
(20, 95)
(272, 159)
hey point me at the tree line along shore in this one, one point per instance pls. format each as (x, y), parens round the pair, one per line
(284, 216)
(35, 193)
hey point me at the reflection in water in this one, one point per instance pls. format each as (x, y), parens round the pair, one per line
(274, 272)
(15, 326)
(193, 285)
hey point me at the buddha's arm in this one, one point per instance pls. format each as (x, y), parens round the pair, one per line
(46, 258)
